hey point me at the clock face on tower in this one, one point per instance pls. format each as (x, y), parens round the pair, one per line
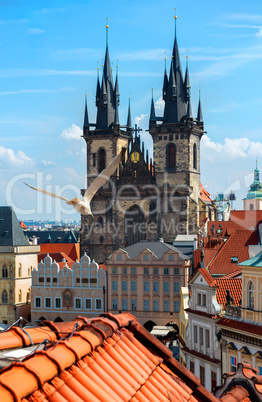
(135, 157)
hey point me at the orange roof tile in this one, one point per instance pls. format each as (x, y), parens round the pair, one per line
(23, 225)
(235, 246)
(109, 358)
(209, 253)
(204, 194)
(72, 250)
(234, 285)
(246, 219)
(240, 326)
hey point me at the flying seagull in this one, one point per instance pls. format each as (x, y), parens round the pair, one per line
(83, 206)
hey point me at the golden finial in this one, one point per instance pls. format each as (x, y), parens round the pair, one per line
(106, 21)
(102, 65)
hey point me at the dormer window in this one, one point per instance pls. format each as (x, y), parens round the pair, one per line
(234, 260)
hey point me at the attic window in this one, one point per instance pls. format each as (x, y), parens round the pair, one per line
(234, 259)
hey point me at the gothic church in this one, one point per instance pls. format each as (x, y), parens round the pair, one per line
(144, 199)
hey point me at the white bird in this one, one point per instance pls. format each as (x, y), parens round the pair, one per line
(83, 206)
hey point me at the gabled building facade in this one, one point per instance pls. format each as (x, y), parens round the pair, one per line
(60, 293)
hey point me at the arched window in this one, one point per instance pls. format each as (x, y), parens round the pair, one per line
(20, 296)
(20, 270)
(195, 156)
(4, 297)
(4, 272)
(250, 295)
(251, 207)
(171, 156)
(101, 160)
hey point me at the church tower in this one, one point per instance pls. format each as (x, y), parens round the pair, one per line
(176, 150)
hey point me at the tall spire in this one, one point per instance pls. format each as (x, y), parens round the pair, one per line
(129, 122)
(86, 120)
(175, 106)
(165, 83)
(116, 90)
(199, 111)
(152, 119)
(189, 108)
(186, 81)
(97, 88)
(106, 107)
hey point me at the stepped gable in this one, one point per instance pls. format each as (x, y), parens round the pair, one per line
(11, 233)
(235, 246)
(108, 358)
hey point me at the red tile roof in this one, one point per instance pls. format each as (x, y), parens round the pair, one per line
(246, 219)
(204, 194)
(70, 249)
(23, 225)
(204, 272)
(235, 246)
(109, 358)
(234, 285)
(209, 253)
(235, 325)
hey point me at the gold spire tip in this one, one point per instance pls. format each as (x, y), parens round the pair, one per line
(106, 26)
(175, 17)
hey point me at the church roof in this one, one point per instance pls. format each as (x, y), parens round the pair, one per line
(11, 233)
(52, 236)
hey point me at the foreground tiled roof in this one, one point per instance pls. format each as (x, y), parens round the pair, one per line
(235, 246)
(109, 358)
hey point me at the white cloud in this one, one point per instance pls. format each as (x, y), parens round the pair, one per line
(48, 163)
(35, 31)
(230, 149)
(160, 104)
(7, 155)
(34, 91)
(72, 133)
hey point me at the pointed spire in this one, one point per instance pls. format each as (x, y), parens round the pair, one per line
(186, 81)
(189, 108)
(172, 81)
(116, 115)
(165, 83)
(86, 120)
(199, 111)
(97, 88)
(116, 90)
(129, 122)
(152, 119)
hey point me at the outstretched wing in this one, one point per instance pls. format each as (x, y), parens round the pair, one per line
(47, 192)
(103, 176)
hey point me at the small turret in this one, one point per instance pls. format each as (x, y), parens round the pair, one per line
(199, 110)
(152, 119)
(165, 83)
(86, 120)
(186, 81)
(129, 122)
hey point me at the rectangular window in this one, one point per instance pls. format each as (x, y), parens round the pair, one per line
(171, 258)
(176, 286)
(213, 380)
(146, 286)
(54, 280)
(133, 305)
(233, 364)
(38, 302)
(201, 336)
(124, 304)
(41, 280)
(155, 271)
(176, 271)
(192, 367)
(88, 304)
(156, 286)
(77, 280)
(199, 299)
(93, 281)
(207, 338)
(133, 270)
(47, 302)
(58, 303)
(176, 306)
(166, 286)
(260, 370)
(48, 279)
(195, 333)
(155, 305)
(202, 375)
(146, 271)
(124, 270)
(98, 304)
(145, 257)
(114, 270)
(114, 285)
(124, 285)
(119, 257)
(133, 286)
(78, 303)
(114, 304)
(84, 280)
(204, 300)
(146, 305)
(166, 271)
(166, 305)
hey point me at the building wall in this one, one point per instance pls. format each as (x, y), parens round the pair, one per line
(139, 276)
(256, 203)
(19, 262)
(84, 281)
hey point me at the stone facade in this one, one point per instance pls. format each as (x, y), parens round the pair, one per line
(16, 265)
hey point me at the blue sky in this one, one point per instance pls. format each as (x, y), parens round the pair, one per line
(49, 54)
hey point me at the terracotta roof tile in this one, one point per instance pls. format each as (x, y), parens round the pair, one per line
(240, 326)
(100, 360)
(234, 285)
(235, 246)
(204, 194)
(209, 253)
